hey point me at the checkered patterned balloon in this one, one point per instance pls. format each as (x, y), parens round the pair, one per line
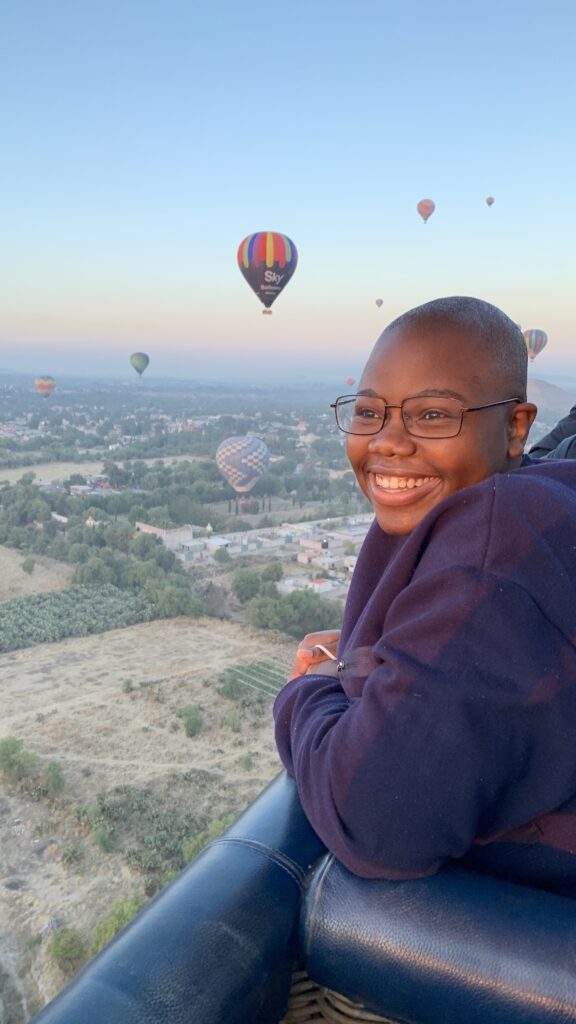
(241, 460)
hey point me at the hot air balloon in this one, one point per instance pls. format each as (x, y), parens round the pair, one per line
(267, 261)
(45, 386)
(489, 200)
(426, 208)
(139, 360)
(242, 460)
(535, 340)
(379, 302)
(349, 381)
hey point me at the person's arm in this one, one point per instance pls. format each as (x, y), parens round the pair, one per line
(565, 427)
(450, 738)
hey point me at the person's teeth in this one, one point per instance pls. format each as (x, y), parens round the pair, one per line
(400, 483)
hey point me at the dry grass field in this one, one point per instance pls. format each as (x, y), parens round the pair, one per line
(107, 709)
(47, 575)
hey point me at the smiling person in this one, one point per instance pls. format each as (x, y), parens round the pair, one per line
(442, 727)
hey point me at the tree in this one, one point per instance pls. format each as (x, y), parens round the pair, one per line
(28, 565)
(93, 571)
(245, 584)
(222, 556)
(273, 571)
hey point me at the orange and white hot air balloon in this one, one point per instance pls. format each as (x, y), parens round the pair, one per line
(426, 208)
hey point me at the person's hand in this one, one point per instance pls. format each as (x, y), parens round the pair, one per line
(314, 650)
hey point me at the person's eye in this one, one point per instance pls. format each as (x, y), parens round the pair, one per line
(435, 414)
(366, 412)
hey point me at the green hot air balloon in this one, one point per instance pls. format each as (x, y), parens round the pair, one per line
(139, 360)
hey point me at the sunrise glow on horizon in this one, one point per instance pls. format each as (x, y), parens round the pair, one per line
(145, 143)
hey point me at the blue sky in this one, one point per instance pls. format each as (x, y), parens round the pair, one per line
(143, 140)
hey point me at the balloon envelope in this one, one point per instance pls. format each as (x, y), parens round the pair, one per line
(379, 302)
(535, 340)
(267, 260)
(242, 460)
(349, 381)
(489, 200)
(426, 208)
(139, 360)
(45, 386)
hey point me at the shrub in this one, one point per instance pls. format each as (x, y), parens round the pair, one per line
(67, 949)
(120, 914)
(230, 686)
(72, 855)
(192, 719)
(15, 762)
(28, 565)
(192, 846)
(103, 837)
(54, 779)
(233, 720)
(247, 762)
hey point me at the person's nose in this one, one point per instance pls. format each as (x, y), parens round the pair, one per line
(393, 438)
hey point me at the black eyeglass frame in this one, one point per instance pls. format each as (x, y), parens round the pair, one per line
(427, 437)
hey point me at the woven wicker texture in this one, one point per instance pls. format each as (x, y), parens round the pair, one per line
(310, 1002)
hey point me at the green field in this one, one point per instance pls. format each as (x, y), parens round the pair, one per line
(266, 677)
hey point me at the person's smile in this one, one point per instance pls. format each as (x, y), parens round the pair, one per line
(398, 488)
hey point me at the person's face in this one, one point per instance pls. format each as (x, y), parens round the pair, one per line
(404, 476)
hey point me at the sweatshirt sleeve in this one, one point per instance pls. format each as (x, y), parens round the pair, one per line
(451, 737)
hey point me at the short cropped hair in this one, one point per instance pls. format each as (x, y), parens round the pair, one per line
(501, 339)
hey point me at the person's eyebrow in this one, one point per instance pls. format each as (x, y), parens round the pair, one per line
(427, 392)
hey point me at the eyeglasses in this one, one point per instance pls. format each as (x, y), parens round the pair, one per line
(424, 416)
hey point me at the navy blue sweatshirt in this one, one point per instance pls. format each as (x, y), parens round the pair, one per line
(451, 731)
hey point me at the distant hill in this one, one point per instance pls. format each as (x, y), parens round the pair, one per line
(553, 403)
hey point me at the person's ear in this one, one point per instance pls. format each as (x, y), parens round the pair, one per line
(521, 418)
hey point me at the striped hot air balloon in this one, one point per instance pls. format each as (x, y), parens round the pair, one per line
(242, 460)
(535, 340)
(426, 208)
(44, 386)
(267, 260)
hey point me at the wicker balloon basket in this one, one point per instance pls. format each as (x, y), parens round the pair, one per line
(310, 1002)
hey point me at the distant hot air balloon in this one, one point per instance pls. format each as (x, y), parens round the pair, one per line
(242, 460)
(489, 200)
(267, 261)
(535, 340)
(426, 208)
(139, 360)
(45, 386)
(379, 302)
(349, 381)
